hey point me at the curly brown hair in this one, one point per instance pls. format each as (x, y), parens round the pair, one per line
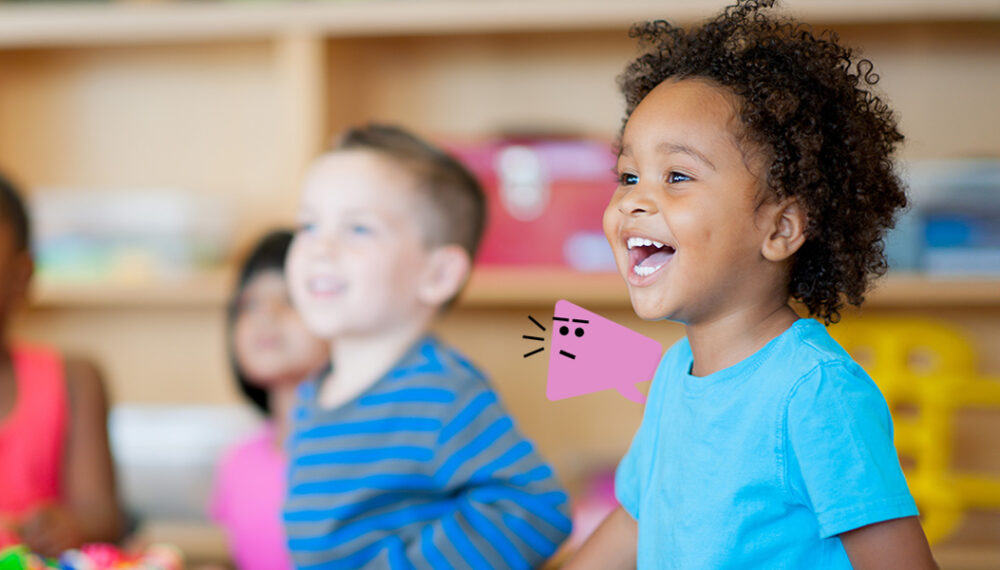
(807, 102)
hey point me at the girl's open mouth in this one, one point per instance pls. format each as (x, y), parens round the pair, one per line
(646, 255)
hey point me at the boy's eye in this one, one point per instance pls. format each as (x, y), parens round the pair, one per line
(675, 177)
(307, 227)
(628, 179)
(360, 229)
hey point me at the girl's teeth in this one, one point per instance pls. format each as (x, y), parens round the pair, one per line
(643, 271)
(639, 242)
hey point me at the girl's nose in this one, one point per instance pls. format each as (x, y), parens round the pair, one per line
(637, 202)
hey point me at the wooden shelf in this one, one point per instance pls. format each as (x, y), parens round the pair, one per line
(918, 291)
(515, 287)
(496, 287)
(208, 290)
(117, 23)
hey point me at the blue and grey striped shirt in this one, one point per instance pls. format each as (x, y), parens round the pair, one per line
(423, 470)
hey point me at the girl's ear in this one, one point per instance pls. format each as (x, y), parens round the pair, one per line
(787, 235)
(23, 269)
(445, 272)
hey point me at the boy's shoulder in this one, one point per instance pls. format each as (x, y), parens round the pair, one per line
(431, 362)
(431, 377)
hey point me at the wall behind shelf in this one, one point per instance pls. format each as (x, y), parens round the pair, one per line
(939, 77)
(209, 118)
(476, 85)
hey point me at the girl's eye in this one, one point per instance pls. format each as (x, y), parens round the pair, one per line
(306, 227)
(246, 305)
(360, 229)
(675, 177)
(628, 179)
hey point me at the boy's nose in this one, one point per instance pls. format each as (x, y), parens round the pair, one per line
(323, 246)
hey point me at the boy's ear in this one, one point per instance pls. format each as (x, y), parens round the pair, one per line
(444, 274)
(788, 229)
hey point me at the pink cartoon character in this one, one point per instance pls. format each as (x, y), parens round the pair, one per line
(589, 353)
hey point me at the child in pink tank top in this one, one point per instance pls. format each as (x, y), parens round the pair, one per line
(57, 488)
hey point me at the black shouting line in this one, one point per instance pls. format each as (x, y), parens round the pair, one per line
(536, 351)
(529, 337)
(537, 324)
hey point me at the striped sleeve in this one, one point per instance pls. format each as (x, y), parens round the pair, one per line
(508, 510)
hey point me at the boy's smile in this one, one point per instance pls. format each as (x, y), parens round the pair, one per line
(685, 223)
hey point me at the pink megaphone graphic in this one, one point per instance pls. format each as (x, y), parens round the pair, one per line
(590, 353)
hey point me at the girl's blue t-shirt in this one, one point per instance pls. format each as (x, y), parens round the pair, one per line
(762, 464)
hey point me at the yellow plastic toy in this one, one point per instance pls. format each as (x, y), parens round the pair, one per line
(927, 371)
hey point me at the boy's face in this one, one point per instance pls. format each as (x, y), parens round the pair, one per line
(356, 260)
(685, 188)
(271, 342)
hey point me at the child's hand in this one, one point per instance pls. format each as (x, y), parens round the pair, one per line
(50, 530)
(8, 533)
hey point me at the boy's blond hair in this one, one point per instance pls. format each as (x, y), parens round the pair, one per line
(456, 202)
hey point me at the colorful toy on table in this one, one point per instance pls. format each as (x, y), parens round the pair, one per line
(97, 556)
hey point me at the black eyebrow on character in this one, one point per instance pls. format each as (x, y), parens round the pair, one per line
(580, 321)
(560, 319)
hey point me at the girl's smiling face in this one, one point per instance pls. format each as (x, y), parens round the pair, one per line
(687, 221)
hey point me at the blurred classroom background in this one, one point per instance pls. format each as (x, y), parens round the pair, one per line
(157, 139)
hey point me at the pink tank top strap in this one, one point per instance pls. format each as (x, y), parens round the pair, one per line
(33, 434)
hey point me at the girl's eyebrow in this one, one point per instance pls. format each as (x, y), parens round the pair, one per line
(671, 148)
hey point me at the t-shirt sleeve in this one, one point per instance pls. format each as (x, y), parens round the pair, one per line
(627, 475)
(841, 457)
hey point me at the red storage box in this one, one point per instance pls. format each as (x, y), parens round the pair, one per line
(546, 200)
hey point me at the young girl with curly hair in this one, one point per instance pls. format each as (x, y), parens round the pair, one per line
(755, 169)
